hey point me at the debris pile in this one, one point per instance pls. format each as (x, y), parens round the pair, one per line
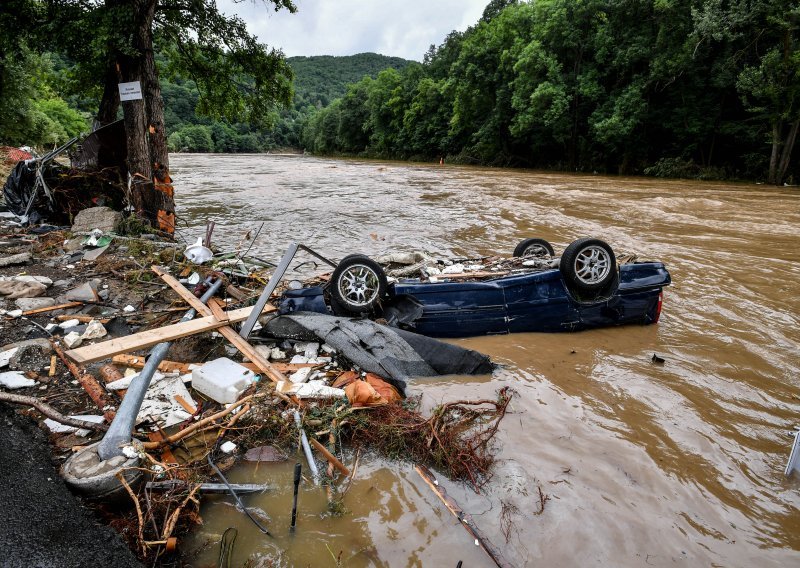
(155, 370)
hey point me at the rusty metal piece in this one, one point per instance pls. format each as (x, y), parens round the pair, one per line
(109, 373)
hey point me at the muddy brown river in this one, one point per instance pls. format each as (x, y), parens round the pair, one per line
(644, 465)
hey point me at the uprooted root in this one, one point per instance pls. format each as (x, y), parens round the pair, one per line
(456, 439)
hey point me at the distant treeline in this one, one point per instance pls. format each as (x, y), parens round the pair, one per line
(677, 88)
(318, 81)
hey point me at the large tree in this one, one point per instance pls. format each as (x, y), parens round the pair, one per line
(114, 41)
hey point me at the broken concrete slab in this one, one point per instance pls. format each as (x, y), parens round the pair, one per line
(33, 356)
(13, 289)
(22, 258)
(102, 218)
(86, 292)
(26, 304)
(92, 255)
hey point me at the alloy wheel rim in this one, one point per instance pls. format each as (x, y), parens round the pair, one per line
(592, 264)
(359, 284)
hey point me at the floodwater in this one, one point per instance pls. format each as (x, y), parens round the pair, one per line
(644, 465)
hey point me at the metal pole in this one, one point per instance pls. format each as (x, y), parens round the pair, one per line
(119, 433)
(312, 465)
(297, 472)
(248, 325)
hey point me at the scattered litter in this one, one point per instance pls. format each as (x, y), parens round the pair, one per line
(128, 309)
(222, 380)
(58, 428)
(92, 255)
(15, 380)
(160, 403)
(657, 360)
(794, 456)
(5, 356)
(228, 447)
(311, 389)
(197, 253)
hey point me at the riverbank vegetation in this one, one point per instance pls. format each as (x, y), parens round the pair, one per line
(670, 88)
(673, 88)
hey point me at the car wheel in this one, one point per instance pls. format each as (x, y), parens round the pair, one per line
(534, 247)
(358, 284)
(588, 265)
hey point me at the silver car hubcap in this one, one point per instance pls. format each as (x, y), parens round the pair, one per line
(358, 284)
(592, 265)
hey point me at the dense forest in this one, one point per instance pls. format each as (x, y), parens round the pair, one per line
(318, 81)
(677, 88)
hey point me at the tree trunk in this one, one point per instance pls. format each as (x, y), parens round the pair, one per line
(772, 177)
(109, 104)
(151, 190)
(788, 146)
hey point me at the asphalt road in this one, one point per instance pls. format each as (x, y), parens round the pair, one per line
(42, 524)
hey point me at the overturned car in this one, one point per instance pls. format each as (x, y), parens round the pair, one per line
(532, 292)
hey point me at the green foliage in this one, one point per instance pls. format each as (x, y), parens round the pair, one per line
(663, 87)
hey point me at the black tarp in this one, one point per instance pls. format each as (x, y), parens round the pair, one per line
(391, 353)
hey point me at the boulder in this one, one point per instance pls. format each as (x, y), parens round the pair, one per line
(102, 218)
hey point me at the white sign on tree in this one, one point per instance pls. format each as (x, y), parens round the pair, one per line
(130, 91)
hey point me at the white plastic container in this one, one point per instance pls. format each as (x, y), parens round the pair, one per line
(222, 380)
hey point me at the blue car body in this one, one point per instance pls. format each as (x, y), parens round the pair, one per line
(533, 302)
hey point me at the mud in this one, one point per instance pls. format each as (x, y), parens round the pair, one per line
(643, 464)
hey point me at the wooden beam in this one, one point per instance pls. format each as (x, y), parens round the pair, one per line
(151, 337)
(52, 308)
(227, 332)
(216, 309)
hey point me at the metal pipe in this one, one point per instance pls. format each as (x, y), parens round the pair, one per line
(312, 465)
(280, 270)
(119, 433)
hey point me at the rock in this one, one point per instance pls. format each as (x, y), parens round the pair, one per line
(92, 255)
(298, 360)
(276, 353)
(34, 355)
(13, 289)
(29, 278)
(15, 380)
(73, 245)
(60, 283)
(41, 343)
(26, 304)
(72, 340)
(86, 292)
(22, 258)
(69, 323)
(102, 218)
(94, 330)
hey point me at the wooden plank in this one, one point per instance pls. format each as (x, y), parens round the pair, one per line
(137, 362)
(52, 308)
(216, 309)
(83, 318)
(227, 332)
(151, 337)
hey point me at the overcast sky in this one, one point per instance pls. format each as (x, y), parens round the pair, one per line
(403, 28)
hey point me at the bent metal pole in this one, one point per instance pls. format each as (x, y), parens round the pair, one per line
(119, 433)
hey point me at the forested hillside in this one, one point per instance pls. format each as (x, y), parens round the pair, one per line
(318, 81)
(678, 88)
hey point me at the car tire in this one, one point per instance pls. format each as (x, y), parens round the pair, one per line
(588, 265)
(535, 248)
(357, 285)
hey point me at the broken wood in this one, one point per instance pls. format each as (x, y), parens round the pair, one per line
(227, 332)
(151, 337)
(186, 406)
(197, 425)
(333, 460)
(216, 309)
(52, 308)
(138, 362)
(50, 412)
(464, 517)
(52, 371)
(83, 318)
(235, 293)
